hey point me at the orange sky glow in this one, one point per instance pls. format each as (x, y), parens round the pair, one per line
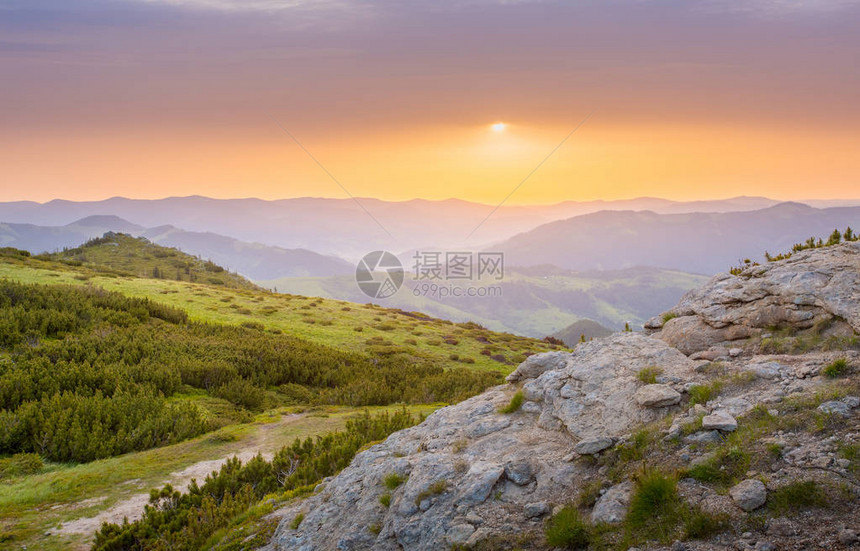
(160, 98)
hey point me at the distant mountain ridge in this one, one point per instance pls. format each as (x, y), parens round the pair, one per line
(704, 243)
(341, 227)
(250, 259)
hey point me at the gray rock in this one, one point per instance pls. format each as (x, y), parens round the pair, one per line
(703, 437)
(765, 546)
(476, 485)
(847, 536)
(483, 428)
(709, 355)
(459, 534)
(536, 365)
(768, 370)
(520, 473)
(592, 446)
(537, 509)
(466, 462)
(719, 420)
(611, 507)
(474, 519)
(851, 401)
(478, 536)
(531, 407)
(814, 286)
(781, 527)
(834, 407)
(822, 462)
(749, 494)
(657, 396)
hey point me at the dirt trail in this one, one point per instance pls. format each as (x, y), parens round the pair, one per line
(132, 507)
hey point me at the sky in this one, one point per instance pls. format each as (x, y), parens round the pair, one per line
(398, 99)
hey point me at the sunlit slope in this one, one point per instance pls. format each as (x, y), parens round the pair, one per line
(366, 328)
(136, 256)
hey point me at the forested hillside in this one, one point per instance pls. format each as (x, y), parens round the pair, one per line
(88, 374)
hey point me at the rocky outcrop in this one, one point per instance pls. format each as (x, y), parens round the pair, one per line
(469, 466)
(813, 288)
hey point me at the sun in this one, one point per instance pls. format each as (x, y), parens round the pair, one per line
(499, 127)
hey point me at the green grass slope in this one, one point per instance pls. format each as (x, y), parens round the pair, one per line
(364, 328)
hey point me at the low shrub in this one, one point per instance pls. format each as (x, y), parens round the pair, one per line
(699, 525)
(20, 464)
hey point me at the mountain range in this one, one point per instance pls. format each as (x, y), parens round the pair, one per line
(610, 266)
(252, 260)
(704, 243)
(349, 228)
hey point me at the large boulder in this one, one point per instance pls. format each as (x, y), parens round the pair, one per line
(816, 287)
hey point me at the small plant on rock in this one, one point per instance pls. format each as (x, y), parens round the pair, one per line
(297, 521)
(393, 480)
(515, 404)
(648, 375)
(434, 489)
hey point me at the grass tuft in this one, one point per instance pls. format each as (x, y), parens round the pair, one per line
(434, 489)
(297, 521)
(515, 403)
(648, 375)
(567, 530)
(836, 369)
(702, 394)
(393, 480)
(796, 496)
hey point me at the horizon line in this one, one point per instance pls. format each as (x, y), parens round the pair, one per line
(448, 199)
